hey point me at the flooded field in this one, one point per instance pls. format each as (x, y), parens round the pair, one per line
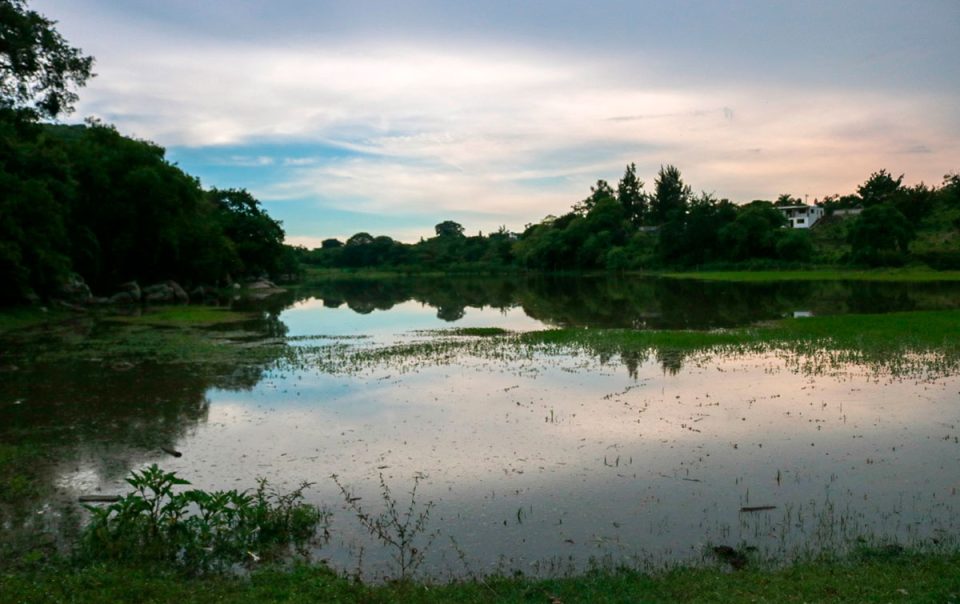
(527, 455)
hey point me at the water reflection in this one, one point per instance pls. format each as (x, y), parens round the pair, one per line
(531, 456)
(642, 303)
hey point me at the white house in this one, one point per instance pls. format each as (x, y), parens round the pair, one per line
(802, 217)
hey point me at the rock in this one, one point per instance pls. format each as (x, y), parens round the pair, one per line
(158, 292)
(179, 293)
(123, 298)
(262, 284)
(75, 290)
(132, 288)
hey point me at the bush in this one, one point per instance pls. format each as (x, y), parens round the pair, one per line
(199, 530)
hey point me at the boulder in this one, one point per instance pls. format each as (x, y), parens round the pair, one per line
(123, 298)
(75, 290)
(262, 284)
(132, 288)
(158, 292)
(179, 294)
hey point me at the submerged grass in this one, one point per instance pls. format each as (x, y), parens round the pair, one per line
(906, 343)
(868, 576)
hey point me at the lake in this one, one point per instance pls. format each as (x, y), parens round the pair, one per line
(539, 459)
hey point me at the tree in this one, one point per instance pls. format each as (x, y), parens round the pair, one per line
(880, 235)
(881, 187)
(670, 197)
(38, 68)
(449, 228)
(785, 199)
(329, 244)
(631, 196)
(361, 238)
(599, 192)
(258, 239)
(754, 233)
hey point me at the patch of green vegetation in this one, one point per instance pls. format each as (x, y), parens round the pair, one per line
(902, 576)
(907, 343)
(222, 528)
(186, 316)
(12, 319)
(891, 274)
(480, 332)
(17, 480)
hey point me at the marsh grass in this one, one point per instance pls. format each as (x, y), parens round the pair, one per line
(910, 343)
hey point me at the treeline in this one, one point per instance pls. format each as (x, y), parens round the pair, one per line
(628, 228)
(87, 200)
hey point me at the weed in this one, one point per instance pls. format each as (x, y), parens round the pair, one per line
(400, 531)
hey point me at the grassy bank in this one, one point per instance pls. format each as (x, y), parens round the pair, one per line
(923, 274)
(869, 576)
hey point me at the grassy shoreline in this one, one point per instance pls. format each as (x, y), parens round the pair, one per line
(870, 575)
(916, 275)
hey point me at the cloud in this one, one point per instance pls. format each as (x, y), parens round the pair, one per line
(507, 128)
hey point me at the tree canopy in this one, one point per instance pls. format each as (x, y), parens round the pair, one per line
(39, 70)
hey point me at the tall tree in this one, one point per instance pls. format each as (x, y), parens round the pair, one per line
(671, 196)
(602, 191)
(38, 68)
(257, 238)
(449, 228)
(881, 187)
(631, 196)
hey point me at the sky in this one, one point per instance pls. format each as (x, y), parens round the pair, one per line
(390, 117)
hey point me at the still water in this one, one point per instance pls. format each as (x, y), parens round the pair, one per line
(538, 461)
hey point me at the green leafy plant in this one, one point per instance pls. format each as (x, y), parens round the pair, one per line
(201, 530)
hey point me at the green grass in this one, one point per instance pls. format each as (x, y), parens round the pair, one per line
(479, 332)
(889, 274)
(12, 319)
(17, 465)
(186, 316)
(900, 577)
(916, 331)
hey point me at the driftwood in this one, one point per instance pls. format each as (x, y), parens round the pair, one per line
(758, 508)
(170, 451)
(99, 498)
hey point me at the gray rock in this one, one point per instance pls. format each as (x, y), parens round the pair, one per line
(158, 292)
(132, 288)
(179, 294)
(75, 290)
(123, 298)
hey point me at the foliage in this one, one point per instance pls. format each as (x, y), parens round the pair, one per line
(880, 235)
(449, 228)
(38, 68)
(631, 196)
(670, 197)
(132, 215)
(256, 238)
(198, 530)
